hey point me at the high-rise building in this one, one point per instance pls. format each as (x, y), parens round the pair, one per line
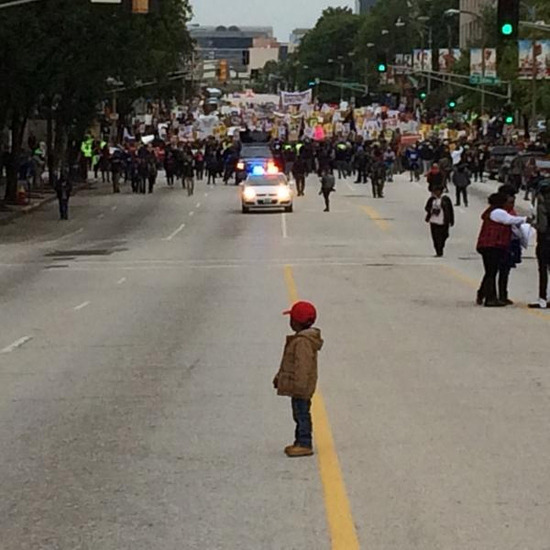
(364, 6)
(471, 24)
(296, 37)
(228, 44)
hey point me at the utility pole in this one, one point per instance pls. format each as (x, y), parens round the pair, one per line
(342, 81)
(430, 45)
(534, 86)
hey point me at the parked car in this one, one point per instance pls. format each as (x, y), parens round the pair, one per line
(496, 159)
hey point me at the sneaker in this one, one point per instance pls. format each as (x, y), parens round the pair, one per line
(540, 304)
(295, 451)
(507, 302)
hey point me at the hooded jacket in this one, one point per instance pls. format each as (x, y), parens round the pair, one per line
(297, 376)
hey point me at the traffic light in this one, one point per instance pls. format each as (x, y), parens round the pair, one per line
(422, 95)
(508, 114)
(451, 104)
(508, 18)
(381, 63)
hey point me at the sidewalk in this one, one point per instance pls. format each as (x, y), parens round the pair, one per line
(9, 212)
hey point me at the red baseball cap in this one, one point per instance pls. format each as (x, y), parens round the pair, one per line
(302, 312)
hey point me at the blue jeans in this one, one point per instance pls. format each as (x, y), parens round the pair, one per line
(302, 416)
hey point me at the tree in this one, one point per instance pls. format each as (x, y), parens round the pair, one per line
(330, 47)
(59, 59)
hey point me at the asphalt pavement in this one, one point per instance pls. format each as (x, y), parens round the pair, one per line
(140, 338)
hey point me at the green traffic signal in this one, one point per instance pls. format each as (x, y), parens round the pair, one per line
(381, 68)
(507, 29)
(423, 96)
(451, 104)
(509, 119)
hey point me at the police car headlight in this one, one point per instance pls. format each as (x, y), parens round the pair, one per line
(283, 193)
(249, 194)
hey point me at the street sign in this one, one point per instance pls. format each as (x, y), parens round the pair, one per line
(488, 80)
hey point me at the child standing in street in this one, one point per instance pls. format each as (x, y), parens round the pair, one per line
(297, 376)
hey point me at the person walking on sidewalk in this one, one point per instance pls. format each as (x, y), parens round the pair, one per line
(63, 189)
(440, 216)
(297, 375)
(543, 245)
(462, 180)
(328, 184)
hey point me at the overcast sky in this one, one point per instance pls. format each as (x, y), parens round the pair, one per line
(282, 15)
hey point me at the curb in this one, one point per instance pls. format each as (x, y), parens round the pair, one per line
(4, 220)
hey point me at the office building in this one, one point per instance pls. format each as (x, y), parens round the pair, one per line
(296, 37)
(227, 42)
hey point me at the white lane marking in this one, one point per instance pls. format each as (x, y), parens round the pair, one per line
(350, 185)
(100, 216)
(113, 208)
(16, 344)
(176, 232)
(191, 213)
(283, 226)
(198, 205)
(121, 281)
(82, 306)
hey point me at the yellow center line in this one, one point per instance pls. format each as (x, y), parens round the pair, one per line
(340, 520)
(375, 217)
(472, 283)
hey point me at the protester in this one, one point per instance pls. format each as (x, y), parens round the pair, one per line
(543, 245)
(299, 173)
(512, 258)
(435, 178)
(440, 216)
(63, 189)
(493, 244)
(328, 184)
(461, 180)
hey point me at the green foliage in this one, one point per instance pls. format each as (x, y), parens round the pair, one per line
(329, 48)
(59, 54)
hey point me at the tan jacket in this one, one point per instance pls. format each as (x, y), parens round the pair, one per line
(297, 376)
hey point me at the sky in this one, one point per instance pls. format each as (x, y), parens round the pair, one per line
(282, 15)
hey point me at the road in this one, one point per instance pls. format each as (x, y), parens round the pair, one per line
(138, 345)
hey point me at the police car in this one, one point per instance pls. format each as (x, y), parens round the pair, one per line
(266, 190)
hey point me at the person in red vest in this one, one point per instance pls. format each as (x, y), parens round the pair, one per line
(493, 244)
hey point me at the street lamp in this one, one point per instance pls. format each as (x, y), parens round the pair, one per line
(479, 18)
(424, 20)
